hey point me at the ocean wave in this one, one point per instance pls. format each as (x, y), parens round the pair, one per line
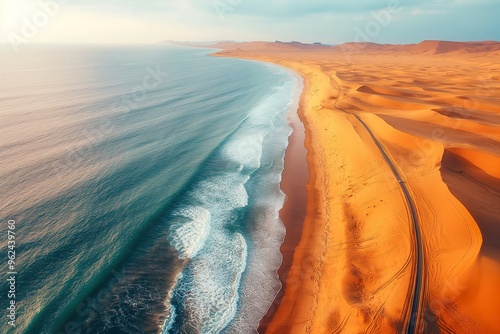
(224, 192)
(170, 321)
(189, 230)
(208, 290)
(246, 151)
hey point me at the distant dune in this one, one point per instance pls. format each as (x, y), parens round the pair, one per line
(425, 47)
(429, 47)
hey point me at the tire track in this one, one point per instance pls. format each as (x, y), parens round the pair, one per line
(414, 323)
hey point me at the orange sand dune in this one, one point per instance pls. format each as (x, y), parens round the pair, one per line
(426, 47)
(474, 178)
(434, 109)
(483, 161)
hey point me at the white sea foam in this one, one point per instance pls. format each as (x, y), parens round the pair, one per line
(246, 150)
(209, 289)
(225, 192)
(189, 230)
(169, 323)
(261, 284)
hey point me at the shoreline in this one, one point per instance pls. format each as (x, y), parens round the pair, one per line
(296, 183)
(295, 177)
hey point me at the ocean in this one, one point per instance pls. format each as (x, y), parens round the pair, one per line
(144, 183)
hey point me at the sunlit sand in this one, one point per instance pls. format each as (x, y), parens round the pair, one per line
(434, 108)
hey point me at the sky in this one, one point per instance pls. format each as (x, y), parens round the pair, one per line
(326, 21)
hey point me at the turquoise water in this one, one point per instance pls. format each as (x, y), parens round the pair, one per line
(144, 182)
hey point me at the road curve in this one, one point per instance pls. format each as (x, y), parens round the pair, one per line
(417, 300)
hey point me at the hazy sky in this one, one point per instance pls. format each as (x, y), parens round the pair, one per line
(327, 21)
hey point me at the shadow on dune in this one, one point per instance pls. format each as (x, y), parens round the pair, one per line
(479, 192)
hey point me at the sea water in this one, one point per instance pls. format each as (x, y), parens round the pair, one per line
(144, 182)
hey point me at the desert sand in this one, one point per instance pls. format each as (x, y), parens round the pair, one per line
(434, 109)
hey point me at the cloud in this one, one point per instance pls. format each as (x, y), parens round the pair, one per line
(418, 11)
(295, 8)
(329, 21)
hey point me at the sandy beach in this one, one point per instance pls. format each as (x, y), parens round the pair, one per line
(388, 126)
